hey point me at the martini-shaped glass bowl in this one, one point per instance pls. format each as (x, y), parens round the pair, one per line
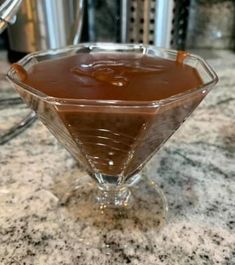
(113, 139)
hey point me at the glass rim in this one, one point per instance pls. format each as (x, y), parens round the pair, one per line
(116, 103)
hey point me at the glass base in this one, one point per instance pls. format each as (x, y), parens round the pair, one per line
(88, 216)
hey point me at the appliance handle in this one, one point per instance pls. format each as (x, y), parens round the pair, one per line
(8, 10)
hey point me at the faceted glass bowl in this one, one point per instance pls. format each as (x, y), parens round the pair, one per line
(97, 132)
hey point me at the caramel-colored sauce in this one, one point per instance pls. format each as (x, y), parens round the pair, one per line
(181, 56)
(112, 76)
(20, 71)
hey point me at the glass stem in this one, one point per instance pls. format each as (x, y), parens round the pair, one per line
(113, 196)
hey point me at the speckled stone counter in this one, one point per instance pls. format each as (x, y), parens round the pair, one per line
(195, 169)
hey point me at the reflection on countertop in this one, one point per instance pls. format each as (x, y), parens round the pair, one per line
(195, 169)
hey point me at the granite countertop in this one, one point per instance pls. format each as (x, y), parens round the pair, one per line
(195, 169)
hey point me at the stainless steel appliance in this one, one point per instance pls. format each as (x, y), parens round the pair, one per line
(46, 24)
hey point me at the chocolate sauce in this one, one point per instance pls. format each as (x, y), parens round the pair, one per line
(21, 72)
(112, 76)
(109, 140)
(181, 55)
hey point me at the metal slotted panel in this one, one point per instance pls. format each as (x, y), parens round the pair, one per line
(159, 22)
(141, 21)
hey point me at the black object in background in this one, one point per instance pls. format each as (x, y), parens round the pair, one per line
(180, 24)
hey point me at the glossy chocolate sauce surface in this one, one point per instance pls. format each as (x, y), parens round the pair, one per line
(112, 76)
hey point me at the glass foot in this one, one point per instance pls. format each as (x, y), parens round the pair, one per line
(85, 219)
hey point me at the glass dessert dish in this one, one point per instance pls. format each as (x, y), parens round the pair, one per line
(112, 140)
